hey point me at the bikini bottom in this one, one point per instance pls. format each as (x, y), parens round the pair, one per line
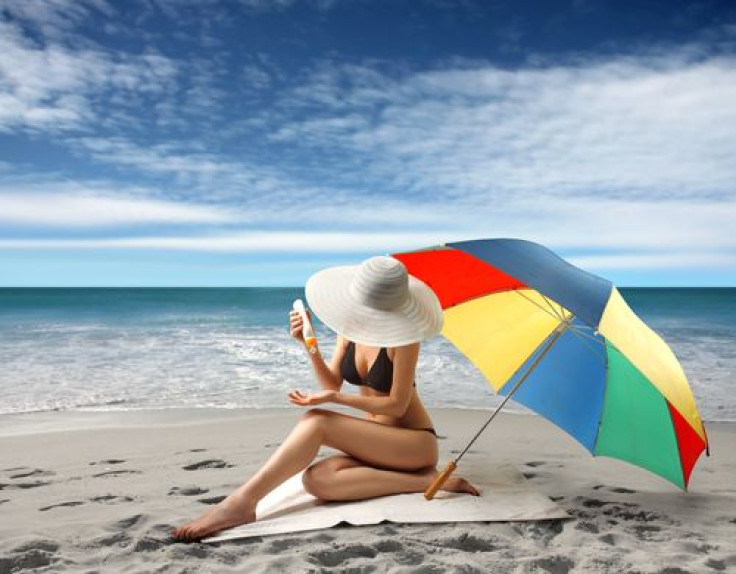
(429, 429)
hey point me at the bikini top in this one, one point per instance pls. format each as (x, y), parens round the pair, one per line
(380, 375)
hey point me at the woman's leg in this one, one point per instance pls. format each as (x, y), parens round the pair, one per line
(342, 477)
(373, 443)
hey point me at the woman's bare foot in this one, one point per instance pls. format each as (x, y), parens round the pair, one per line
(233, 511)
(458, 484)
(452, 484)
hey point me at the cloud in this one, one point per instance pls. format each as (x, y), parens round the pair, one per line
(254, 242)
(93, 209)
(54, 18)
(315, 243)
(655, 124)
(657, 261)
(51, 87)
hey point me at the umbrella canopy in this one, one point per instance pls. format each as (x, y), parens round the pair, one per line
(608, 379)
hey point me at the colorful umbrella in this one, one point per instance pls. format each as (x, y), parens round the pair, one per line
(568, 346)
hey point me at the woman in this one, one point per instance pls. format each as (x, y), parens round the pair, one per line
(394, 448)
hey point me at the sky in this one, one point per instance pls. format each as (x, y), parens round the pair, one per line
(254, 142)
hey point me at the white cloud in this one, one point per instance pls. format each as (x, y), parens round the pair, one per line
(52, 87)
(656, 124)
(605, 226)
(54, 18)
(315, 243)
(657, 261)
(102, 210)
(256, 242)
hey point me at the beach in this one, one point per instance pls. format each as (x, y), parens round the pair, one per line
(101, 492)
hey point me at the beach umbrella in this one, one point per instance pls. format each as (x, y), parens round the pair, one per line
(564, 343)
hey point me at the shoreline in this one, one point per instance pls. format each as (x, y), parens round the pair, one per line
(38, 422)
(20, 424)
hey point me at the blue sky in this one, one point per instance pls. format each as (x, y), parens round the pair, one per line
(182, 142)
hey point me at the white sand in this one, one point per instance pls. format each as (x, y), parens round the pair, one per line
(105, 496)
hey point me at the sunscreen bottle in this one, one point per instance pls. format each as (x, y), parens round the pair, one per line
(307, 331)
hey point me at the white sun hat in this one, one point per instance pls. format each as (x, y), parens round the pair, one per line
(376, 303)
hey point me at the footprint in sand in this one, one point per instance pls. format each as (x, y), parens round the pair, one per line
(118, 539)
(556, 564)
(209, 463)
(543, 532)
(30, 555)
(592, 502)
(409, 557)
(127, 523)
(109, 461)
(611, 539)
(188, 490)
(718, 565)
(23, 485)
(34, 472)
(335, 557)
(468, 543)
(587, 527)
(117, 472)
(111, 499)
(212, 500)
(150, 544)
(282, 544)
(617, 490)
(62, 504)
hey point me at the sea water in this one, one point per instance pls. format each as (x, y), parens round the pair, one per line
(124, 349)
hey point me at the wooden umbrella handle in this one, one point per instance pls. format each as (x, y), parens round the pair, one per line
(440, 480)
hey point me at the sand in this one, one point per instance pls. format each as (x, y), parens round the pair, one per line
(101, 492)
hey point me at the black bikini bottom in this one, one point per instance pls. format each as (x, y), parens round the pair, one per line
(427, 429)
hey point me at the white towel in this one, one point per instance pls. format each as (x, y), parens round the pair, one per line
(505, 495)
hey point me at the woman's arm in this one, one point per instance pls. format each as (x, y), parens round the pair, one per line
(329, 378)
(396, 403)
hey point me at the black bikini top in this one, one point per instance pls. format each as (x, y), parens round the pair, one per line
(380, 375)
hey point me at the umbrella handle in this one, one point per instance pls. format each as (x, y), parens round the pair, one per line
(440, 480)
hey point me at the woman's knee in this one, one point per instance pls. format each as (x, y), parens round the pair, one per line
(315, 480)
(319, 479)
(315, 416)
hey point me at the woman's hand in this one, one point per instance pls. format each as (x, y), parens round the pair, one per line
(297, 325)
(299, 398)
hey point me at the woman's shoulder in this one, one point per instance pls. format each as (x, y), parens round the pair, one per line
(342, 341)
(408, 350)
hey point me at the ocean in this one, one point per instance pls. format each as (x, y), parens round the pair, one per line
(92, 349)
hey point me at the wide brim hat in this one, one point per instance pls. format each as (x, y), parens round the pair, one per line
(376, 303)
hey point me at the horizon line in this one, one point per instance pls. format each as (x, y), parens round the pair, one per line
(301, 286)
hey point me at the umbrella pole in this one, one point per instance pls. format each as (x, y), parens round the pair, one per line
(452, 465)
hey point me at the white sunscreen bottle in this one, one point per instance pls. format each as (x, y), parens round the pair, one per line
(307, 331)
